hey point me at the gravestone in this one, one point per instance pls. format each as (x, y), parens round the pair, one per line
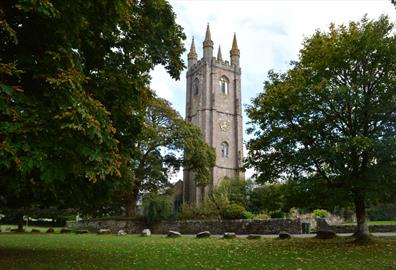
(253, 236)
(173, 234)
(229, 235)
(204, 234)
(104, 231)
(82, 232)
(325, 234)
(146, 232)
(121, 233)
(284, 235)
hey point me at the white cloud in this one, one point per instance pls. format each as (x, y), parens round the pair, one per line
(269, 33)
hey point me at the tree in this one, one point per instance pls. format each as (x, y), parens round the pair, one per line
(332, 115)
(158, 152)
(236, 189)
(313, 193)
(269, 198)
(73, 79)
(157, 207)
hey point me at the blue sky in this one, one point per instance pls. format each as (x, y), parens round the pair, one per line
(269, 34)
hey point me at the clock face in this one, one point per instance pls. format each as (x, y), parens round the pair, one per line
(224, 125)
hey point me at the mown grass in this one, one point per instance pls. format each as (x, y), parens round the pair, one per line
(376, 222)
(382, 222)
(55, 251)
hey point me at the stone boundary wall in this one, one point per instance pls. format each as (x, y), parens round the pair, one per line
(323, 225)
(272, 226)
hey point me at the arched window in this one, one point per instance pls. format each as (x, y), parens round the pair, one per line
(224, 150)
(224, 85)
(196, 86)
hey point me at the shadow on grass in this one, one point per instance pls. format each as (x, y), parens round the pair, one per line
(31, 258)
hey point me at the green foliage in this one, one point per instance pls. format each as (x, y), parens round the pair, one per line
(158, 152)
(377, 213)
(311, 193)
(157, 207)
(235, 211)
(235, 190)
(320, 213)
(73, 87)
(248, 215)
(267, 198)
(331, 116)
(190, 212)
(261, 216)
(278, 214)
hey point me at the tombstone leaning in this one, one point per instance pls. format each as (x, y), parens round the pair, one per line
(204, 234)
(229, 235)
(146, 233)
(121, 233)
(174, 234)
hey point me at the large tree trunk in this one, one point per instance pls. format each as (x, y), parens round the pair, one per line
(20, 222)
(131, 201)
(362, 233)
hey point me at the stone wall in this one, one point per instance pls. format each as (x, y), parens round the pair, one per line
(272, 226)
(323, 225)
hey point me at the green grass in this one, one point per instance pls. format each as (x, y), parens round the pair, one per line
(383, 222)
(55, 251)
(377, 222)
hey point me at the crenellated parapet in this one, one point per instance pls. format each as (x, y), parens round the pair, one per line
(208, 57)
(213, 103)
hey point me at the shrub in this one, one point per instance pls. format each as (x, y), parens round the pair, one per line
(235, 211)
(320, 213)
(262, 216)
(278, 214)
(294, 213)
(235, 189)
(248, 215)
(189, 212)
(157, 207)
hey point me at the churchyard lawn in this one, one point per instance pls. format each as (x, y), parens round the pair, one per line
(90, 251)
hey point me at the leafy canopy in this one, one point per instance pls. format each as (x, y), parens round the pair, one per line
(333, 113)
(332, 116)
(159, 148)
(73, 81)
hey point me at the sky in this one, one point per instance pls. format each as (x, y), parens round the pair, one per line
(269, 33)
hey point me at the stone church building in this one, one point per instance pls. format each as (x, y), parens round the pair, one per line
(213, 103)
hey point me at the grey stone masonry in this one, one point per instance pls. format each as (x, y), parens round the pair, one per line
(213, 103)
(323, 225)
(242, 226)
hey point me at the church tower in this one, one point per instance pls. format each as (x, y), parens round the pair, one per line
(213, 103)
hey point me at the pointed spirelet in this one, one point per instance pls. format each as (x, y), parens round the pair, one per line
(219, 56)
(193, 53)
(234, 48)
(207, 35)
(208, 39)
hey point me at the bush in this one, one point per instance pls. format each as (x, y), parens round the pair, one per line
(294, 213)
(248, 215)
(376, 213)
(278, 214)
(235, 211)
(157, 207)
(262, 216)
(190, 212)
(320, 213)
